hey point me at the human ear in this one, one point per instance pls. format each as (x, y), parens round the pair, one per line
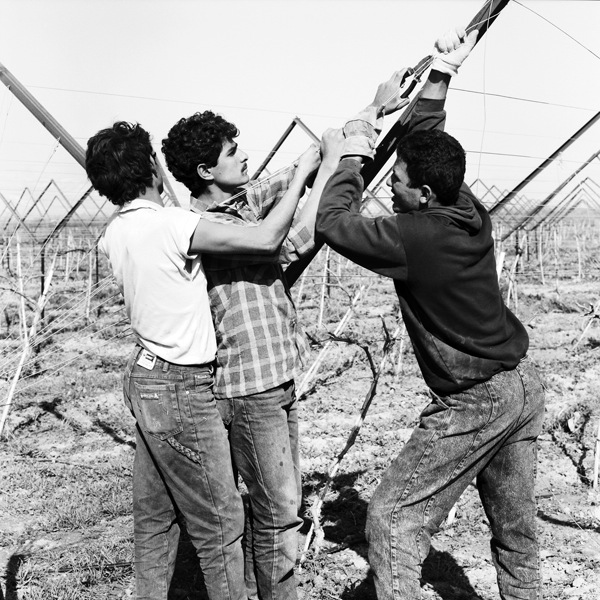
(204, 172)
(427, 194)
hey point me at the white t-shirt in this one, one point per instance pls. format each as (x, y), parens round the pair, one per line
(163, 286)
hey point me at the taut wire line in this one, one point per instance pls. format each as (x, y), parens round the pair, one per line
(33, 190)
(57, 367)
(47, 332)
(483, 130)
(557, 27)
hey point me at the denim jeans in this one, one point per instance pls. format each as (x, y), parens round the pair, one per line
(488, 432)
(263, 433)
(182, 468)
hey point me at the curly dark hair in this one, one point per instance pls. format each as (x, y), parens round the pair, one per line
(436, 159)
(118, 162)
(195, 140)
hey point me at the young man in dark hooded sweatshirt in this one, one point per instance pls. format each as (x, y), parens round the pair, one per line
(487, 400)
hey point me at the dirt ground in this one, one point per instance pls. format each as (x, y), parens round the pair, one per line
(66, 457)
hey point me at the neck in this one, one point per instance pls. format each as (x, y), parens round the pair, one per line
(434, 203)
(152, 195)
(212, 195)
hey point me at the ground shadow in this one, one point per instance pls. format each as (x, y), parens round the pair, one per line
(12, 570)
(568, 522)
(113, 434)
(344, 519)
(187, 579)
(51, 408)
(440, 573)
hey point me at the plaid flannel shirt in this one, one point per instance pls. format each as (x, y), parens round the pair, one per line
(260, 344)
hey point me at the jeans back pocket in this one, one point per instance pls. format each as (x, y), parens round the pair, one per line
(157, 409)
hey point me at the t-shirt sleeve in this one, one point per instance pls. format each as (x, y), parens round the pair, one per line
(179, 226)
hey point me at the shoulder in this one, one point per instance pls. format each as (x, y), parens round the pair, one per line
(176, 217)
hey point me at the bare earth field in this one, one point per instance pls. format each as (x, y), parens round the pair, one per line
(67, 451)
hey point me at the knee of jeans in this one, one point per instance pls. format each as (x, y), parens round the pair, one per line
(377, 521)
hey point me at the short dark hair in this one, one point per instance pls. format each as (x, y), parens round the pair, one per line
(436, 159)
(118, 162)
(195, 140)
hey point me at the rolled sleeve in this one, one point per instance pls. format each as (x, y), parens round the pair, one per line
(361, 133)
(299, 241)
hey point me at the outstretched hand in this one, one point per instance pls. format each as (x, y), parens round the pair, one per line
(332, 143)
(387, 99)
(453, 47)
(309, 161)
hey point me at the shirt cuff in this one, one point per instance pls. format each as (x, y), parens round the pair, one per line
(361, 133)
(359, 145)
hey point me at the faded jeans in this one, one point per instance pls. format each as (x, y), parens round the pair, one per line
(488, 432)
(263, 433)
(182, 465)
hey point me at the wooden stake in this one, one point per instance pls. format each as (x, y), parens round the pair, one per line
(512, 279)
(325, 350)
(323, 287)
(541, 254)
(398, 369)
(88, 298)
(68, 257)
(28, 345)
(315, 510)
(596, 458)
(579, 267)
(22, 312)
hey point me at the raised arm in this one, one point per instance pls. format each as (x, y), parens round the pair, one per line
(361, 132)
(452, 48)
(266, 237)
(331, 147)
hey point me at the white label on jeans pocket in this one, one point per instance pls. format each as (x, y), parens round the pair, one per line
(147, 360)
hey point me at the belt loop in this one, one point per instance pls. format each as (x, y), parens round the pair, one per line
(165, 366)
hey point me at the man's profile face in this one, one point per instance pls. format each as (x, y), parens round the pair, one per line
(404, 197)
(231, 170)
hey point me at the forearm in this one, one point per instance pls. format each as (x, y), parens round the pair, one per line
(276, 224)
(307, 216)
(219, 238)
(429, 110)
(371, 243)
(341, 191)
(436, 86)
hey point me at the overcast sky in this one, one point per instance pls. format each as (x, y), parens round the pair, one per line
(260, 63)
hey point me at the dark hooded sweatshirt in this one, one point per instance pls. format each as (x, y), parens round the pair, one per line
(444, 270)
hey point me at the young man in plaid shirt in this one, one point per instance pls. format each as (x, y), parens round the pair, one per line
(260, 344)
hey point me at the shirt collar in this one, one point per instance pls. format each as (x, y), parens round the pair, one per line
(139, 203)
(206, 205)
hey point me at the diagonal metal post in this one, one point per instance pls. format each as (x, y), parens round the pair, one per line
(482, 21)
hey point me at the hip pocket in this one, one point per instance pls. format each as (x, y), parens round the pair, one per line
(157, 409)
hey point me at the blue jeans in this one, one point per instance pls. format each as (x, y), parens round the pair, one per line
(182, 465)
(488, 432)
(263, 433)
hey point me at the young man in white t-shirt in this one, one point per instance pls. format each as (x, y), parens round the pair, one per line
(182, 463)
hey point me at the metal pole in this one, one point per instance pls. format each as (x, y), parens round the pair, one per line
(482, 21)
(550, 196)
(42, 115)
(541, 167)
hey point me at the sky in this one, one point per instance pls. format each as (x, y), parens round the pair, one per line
(529, 84)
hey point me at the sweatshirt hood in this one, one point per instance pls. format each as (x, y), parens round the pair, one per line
(463, 214)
